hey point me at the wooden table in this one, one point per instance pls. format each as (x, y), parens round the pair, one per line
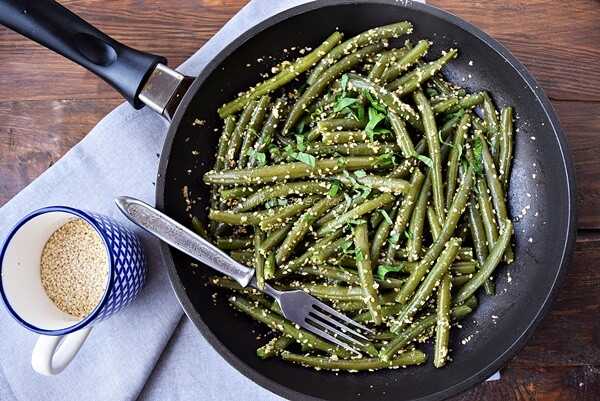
(48, 104)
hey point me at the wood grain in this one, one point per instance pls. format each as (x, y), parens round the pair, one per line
(47, 104)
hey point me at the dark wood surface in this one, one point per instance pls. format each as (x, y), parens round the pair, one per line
(48, 104)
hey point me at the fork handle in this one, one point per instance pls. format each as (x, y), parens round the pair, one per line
(183, 239)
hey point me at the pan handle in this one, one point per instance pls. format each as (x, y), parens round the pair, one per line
(124, 68)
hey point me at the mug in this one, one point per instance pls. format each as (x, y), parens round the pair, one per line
(61, 334)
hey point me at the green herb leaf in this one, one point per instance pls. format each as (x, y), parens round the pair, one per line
(425, 160)
(300, 142)
(305, 158)
(346, 245)
(382, 270)
(476, 163)
(394, 238)
(408, 234)
(374, 118)
(360, 173)
(344, 82)
(289, 149)
(358, 255)
(333, 190)
(348, 200)
(343, 103)
(386, 159)
(366, 191)
(378, 106)
(386, 216)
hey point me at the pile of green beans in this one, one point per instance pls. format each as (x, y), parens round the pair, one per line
(359, 174)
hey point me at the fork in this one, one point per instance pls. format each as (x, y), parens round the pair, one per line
(297, 306)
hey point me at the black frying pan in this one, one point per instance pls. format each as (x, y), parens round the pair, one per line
(542, 185)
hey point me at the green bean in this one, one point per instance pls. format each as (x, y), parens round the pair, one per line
(442, 329)
(478, 235)
(235, 140)
(381, 235)
(454, 214)
(382, 184)
(411, 81)
(330, 292)
(487, 213)
(384, 61)
(444, 87)
(433, 144)
(274, 347)
(340, 124)
(426, 288)
(349, 306)
(259, 258)
(389, 99)
(459, 281)
(434, 223)
(402, 136)
(319, 85)
(369, 37)
(404, 169)
(467, 102)
(268, 130)
(286, 75)
(351, 149)
(231, 244)
(289, 171)
(236, 192)
(454, 157)
(255, 124)
(302, 226)
(343, 137)
(360, 210)
(496, 190)
(275, 238)
(464, 267)
(409, 59)
(479, 125)
(490, 115)
(281, 215)
(414, 357)
(224, 140)
(307, 256)
(338, 210)
(269, 269)
(234, 218)
(330, 273)
(365, 271)
(277, 191)
(278, 323)
(490, 264)
(406, 208)
(506, 144)
(416, 330)
(325, 252)
(377, 217)
(417, 222)
(198, 227)
(445, 105)
(244, 257)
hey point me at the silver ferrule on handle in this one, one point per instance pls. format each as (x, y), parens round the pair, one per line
(183, 239)
(164, 90)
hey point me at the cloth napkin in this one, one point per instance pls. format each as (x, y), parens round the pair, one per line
(150, 351)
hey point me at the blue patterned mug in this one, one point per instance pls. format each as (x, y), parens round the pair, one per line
(62, 335)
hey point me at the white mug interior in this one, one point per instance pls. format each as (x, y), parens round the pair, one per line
(21, 278)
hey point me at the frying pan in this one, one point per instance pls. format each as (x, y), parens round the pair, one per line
(541, 195)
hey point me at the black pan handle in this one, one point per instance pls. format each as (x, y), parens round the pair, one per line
(55, 27)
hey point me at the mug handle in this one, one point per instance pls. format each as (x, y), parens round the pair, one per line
(52, 354)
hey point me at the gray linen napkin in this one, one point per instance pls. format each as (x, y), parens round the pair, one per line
(149, 350)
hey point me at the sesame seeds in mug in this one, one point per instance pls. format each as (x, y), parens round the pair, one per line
(74, 268)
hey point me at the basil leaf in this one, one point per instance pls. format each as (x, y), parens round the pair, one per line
(374, 118)
(333, 190)
(477, 156)
(300, 142)
(408, 234)
(358, 255)
(344, 102)
(344, 82)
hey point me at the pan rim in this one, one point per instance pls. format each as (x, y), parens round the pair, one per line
(569, 233)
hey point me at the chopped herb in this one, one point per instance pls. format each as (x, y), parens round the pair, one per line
(386, 216)
(425, 160)
(394, 238)
(360, 173)
(477, 156)
(333, 190)
(343, 103)
(300, 143)
(376, 105)
(344, 83)
(346, 245)
(260, 157)
(374, 118)
(408, 234)
(382, 270)
(386, 159)
(305, 158)
(358, 255)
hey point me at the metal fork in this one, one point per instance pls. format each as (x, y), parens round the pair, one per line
(297, 306)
